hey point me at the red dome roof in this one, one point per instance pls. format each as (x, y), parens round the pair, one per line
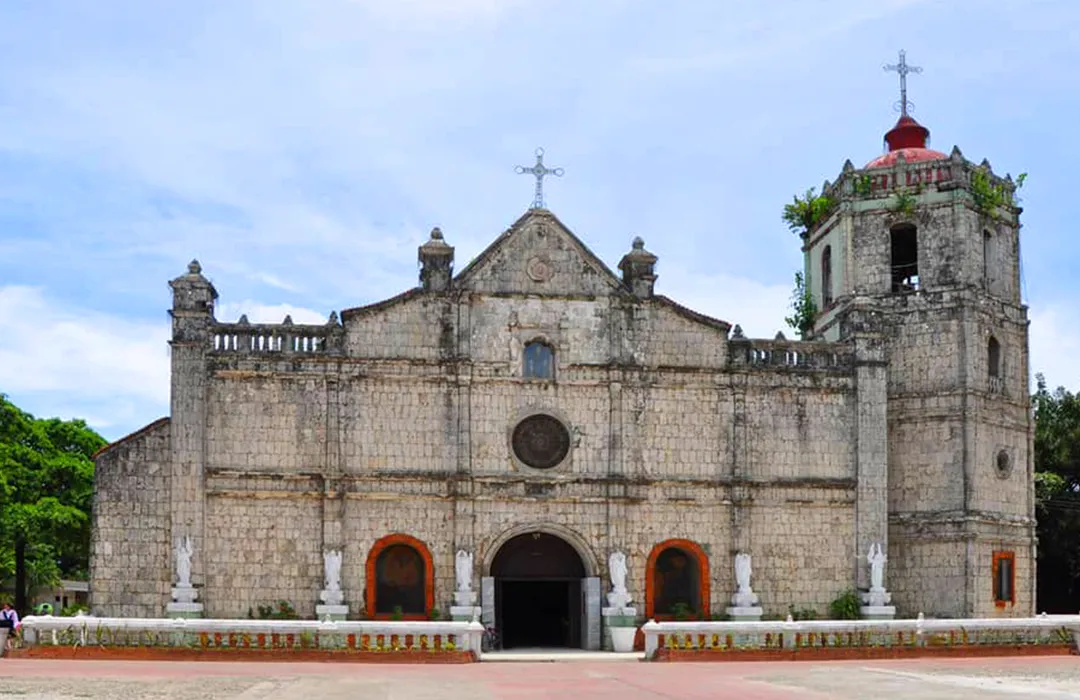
(908, 137)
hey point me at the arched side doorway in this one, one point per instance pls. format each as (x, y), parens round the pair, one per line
(677, 581)
(538, 592)
(400, 579)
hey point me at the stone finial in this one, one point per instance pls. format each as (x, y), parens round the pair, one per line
(192, 293)
(780, 335)
(849, 167)
(737, 333)
(436, 262)
(900, 157)
(1008, 178)
(333, 320)
(956, 154)
(243, 320)
(288, 320)
(825, 186)
(985, 164)
(639, 269)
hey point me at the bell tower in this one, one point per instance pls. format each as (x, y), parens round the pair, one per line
(921, 248)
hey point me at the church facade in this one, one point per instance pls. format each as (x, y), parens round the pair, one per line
(540, 411)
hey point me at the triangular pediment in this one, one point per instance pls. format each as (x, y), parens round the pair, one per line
(538, 255)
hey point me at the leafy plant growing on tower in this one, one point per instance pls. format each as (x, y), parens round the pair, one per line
(804, 213)
(904, 203)
(803, 307)
(988, 196)
(864, 185)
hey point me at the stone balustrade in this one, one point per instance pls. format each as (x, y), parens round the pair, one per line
(865, 634)
(245, 338)
(791, 354)
(358, 636)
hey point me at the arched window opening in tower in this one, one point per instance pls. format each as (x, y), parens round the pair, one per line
(904, 258)
(826, 277)
(539, 361)
(993, 357)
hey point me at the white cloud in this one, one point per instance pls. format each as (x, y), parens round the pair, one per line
(257, 312)
(76, 363)
(758, 308)
(1055, 345)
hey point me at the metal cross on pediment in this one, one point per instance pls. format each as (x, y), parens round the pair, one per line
(903, 69)
(539, 171)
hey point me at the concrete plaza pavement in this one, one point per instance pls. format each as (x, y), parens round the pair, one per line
(1045, 678)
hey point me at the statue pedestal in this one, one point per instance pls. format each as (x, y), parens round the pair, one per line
(878, 612)
(464, 613)
(464, 608)
(876, 605)
(620, 628)
(334, 613)
(745, 614)
(184, 610)
(744, 607)
(183, 602)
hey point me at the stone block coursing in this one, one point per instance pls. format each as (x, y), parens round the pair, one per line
(399, 420)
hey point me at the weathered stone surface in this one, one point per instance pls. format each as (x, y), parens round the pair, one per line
(288, 440)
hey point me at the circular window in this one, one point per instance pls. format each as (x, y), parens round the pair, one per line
(541, 441)
(1003, 463)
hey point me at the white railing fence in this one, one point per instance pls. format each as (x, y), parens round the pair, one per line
(920, 632)
(253, 634)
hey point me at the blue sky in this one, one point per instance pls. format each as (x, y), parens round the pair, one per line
(302, 149)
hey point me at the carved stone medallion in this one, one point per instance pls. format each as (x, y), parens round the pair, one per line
(541, 441)
(539, 268)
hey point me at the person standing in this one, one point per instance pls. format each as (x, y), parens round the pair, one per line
(9, 619)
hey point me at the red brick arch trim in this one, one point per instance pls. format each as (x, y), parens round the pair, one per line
(694, 550)
(429, 575)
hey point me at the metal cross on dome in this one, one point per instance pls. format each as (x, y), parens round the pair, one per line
(539, 171)
(903, 69)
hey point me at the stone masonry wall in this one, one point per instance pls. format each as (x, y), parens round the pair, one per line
(264, 547)
(266, 421)
(129, 548)
(673, 435)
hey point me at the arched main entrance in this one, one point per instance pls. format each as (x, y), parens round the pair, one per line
(538, 592)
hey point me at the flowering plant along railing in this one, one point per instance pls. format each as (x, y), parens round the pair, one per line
(282, 635)
(721, 637)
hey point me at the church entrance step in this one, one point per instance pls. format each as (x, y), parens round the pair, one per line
(557, 656)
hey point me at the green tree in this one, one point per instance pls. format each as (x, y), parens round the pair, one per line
(1057, 491)
(46, 491)
(804, 310)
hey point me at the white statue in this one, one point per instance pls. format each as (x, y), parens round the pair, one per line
(743, 570)
(463, 570)
(617, 569)
(332, 567)
(876, 558)
(184, 550)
